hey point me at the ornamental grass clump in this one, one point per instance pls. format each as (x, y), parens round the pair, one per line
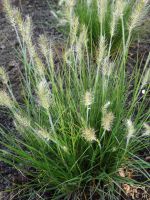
(114, 19)
(77, 124)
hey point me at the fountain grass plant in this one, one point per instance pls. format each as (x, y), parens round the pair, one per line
(111, 18)
(79, 128)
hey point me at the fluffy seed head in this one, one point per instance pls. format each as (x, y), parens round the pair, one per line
(19, 21)
(39, 66)
(146, 78)
(147, 129)
(83, 36)
(88, 98)
(107, 121)
(44, 45)
(138, 14)
(67, 55)
(130, 130)
(31, 49)
(101, 50)
(107, 67)
(74, 30)
(69, 11)
(102, 8)
(44, 95)
(21, 120)
(5, 100)
(117, 12)
(28, 28)
(3, 75)
(79, 52)
(9, 11)
(44, 134)
(26, 34)
(89, 134)
(113, 24)
(119, 7)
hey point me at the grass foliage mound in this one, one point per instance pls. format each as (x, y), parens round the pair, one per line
(82, 121)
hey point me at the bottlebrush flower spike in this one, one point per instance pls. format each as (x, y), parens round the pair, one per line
(9, 12)
(138, 14)
(146, 78)
(44, 134)
(107, 67)
(88, 98)
(74, 30)
(89, 134)
(5, 100)
(118, 8)
(107, 121)
(130, 130)
(44, 45)
(107, 117)
(21, 120)
(101, 51)
(44, 94)
(39, 66)
(102, 8)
